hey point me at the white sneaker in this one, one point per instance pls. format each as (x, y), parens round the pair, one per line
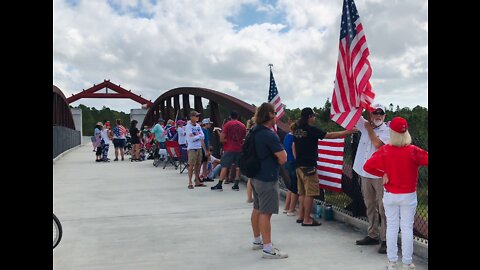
(275, 254)
(408, 266)
(257, 246)
(391, 265)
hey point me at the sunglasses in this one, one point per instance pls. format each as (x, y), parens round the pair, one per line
(378, 113)
(274, 113)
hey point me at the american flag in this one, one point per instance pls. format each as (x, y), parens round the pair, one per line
(330, 163)
(119, 130)
(352, 90)
(274, 97)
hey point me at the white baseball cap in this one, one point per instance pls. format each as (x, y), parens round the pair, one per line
(379, 106)
(206, 121)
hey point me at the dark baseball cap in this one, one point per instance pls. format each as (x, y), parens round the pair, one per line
(307, 112)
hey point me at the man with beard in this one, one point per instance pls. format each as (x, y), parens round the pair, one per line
(375, 133)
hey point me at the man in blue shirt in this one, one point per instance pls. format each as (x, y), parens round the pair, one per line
(159, 132)
(206, 124)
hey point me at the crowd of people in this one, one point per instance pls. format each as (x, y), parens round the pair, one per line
(386, 162)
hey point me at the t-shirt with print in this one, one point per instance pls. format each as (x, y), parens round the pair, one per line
(266, 144)
(235, 132)
(306, 145)
(365, 147)
(194, 142)
(119, 132)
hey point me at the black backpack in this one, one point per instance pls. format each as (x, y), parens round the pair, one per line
(249, 162)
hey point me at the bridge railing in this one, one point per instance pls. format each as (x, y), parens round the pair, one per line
(64, 138)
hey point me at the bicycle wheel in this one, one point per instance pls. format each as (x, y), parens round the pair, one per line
(57, 231)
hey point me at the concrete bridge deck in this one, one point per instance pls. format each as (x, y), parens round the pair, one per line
(131, 215)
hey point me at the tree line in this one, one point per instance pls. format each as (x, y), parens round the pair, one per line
(417, 119)
(90, 117)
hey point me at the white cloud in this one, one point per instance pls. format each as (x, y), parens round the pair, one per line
(191, 43)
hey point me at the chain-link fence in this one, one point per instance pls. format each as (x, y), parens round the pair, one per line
(351, 199)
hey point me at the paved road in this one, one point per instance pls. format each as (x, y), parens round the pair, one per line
(131, 215)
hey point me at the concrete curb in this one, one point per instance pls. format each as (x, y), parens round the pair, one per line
(420, 246)
(65, 152)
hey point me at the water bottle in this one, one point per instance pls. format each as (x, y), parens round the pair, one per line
(328, 212)
(318, 212)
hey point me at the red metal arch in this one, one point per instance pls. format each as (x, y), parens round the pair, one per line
(163, 105)
(120, 92)
(62, 115)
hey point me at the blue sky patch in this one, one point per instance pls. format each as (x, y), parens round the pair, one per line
(72, 3)
(250, 15)
(137, 11)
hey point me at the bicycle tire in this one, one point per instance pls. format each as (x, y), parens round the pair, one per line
(57, 231)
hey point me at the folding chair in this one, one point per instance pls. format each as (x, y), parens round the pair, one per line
(173, 151)
(183, 159)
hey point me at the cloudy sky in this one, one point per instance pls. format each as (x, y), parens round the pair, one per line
(152, 46)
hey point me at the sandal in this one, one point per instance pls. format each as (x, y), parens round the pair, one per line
(200, 185)
(190, 186)
(314, 223)
(300, 221)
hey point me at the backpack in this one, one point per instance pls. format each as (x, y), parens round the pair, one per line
(249, 161)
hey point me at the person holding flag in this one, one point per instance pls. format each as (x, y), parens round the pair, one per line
(351, 94)
(374, 134)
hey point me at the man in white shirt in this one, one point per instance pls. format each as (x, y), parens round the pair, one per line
(195, 136)
(375, 133)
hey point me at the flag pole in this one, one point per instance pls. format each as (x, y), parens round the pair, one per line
(275, 125)
(176, 117)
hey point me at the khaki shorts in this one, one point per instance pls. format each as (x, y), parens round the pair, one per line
(194, 156)
(307, 185)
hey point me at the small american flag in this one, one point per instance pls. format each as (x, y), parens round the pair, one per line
(274, 97)
(330, 163)
(352, 90)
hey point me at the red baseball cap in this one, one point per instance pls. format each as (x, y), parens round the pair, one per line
(399, 124)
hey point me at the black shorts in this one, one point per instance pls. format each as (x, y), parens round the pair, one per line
(119, 143)
(229, 158)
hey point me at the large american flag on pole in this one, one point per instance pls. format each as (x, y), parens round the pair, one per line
(274, 97)
(352, 90)
(330, 163)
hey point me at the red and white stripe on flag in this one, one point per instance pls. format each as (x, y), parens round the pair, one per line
(277, 103)
(330, 163)
(352, 90)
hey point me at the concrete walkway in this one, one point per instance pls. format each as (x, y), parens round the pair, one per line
(131, 215)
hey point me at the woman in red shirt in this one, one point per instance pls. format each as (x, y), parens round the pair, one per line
(398, 162)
